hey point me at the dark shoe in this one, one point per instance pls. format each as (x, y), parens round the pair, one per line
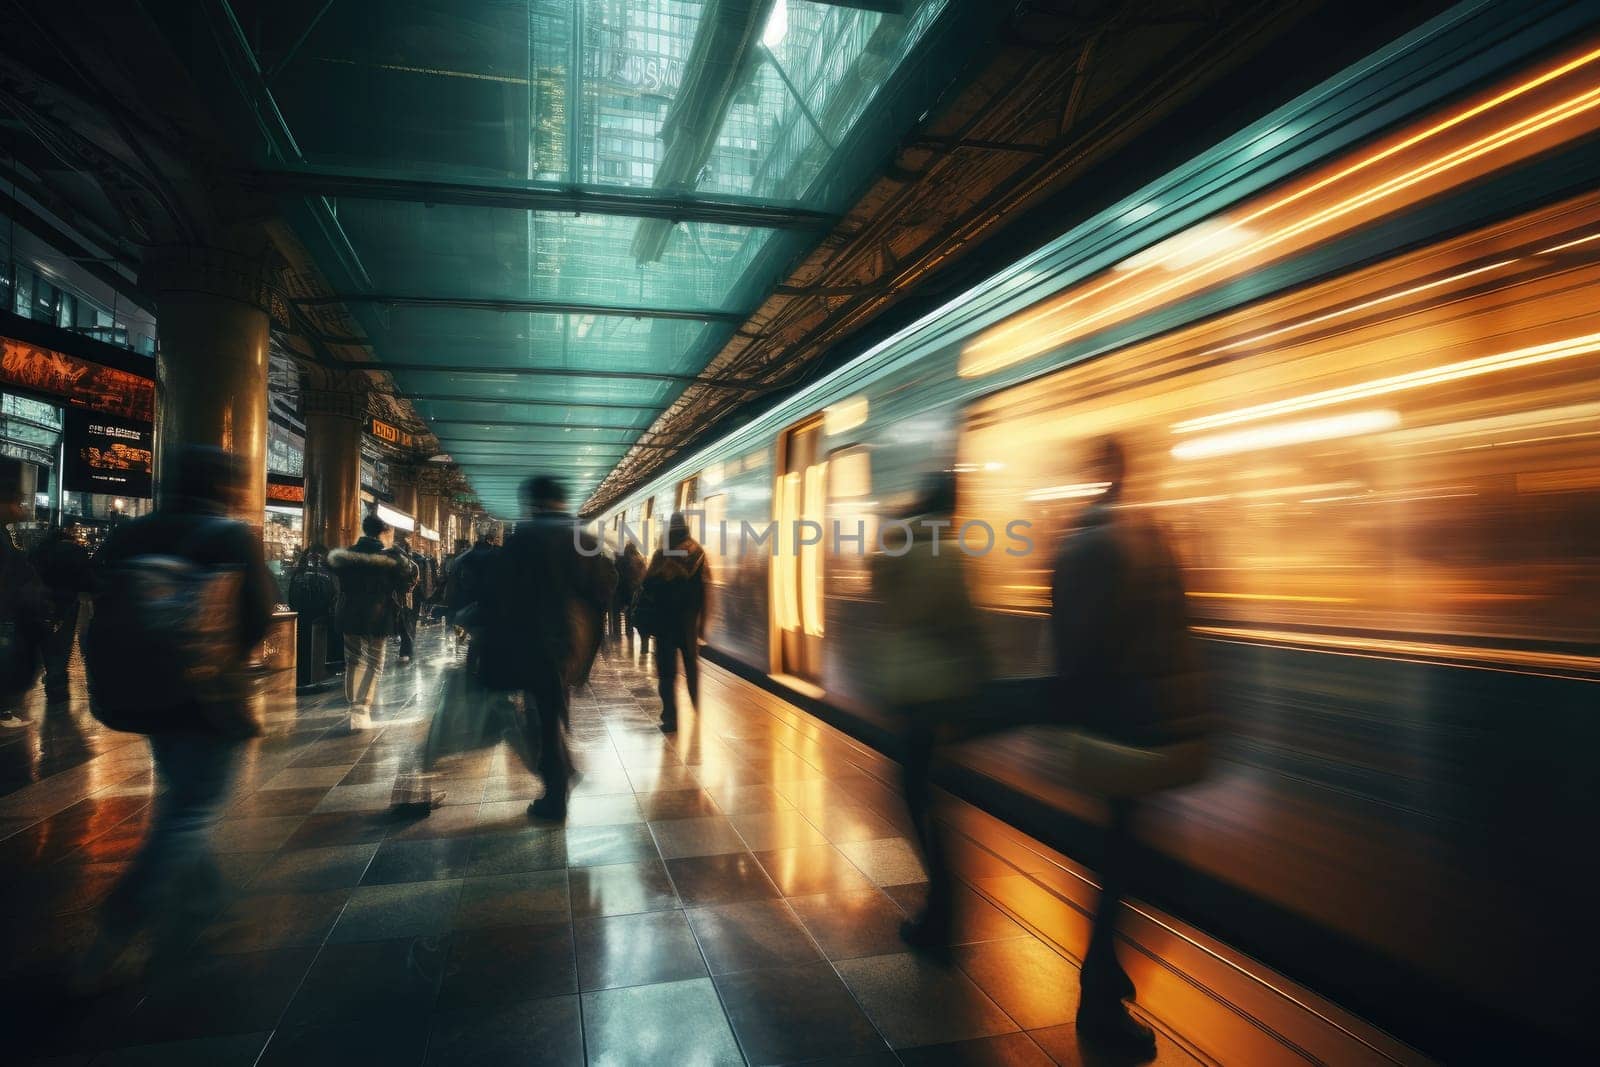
(669, 726)
(931, 939)
(1112, 1029)
(548, 807)
(1107, 984)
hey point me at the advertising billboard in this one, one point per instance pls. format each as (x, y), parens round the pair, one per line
(108, 455)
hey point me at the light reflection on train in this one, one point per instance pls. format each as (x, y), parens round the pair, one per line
(1385, 489)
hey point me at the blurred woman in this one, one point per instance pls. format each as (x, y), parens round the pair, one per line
(672, 608)
(932, 664)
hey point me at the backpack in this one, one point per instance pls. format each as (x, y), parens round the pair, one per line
(312, 594)
(164, 638)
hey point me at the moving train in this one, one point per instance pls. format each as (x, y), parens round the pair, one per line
(1354, 352)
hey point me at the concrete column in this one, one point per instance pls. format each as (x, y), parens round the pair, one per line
(403, 487)
(335, 419)
(211, 374)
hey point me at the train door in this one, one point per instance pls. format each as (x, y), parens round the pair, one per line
(800, 496)
(646, 534)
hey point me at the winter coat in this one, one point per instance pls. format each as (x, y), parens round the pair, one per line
(930, 645)
(24, 619)
(1126, 665)
(373, 582)
(528, 606)
(676, 588)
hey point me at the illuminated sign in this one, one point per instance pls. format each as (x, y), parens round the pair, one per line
(79, 382)
(394, 435)
(398, 519)
(281, 493)
(428, 533)
(108, 455)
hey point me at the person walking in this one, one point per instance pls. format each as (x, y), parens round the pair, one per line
(931, 664)
(24, 603)
(63, 565)
(630, 572)
(526, 611)
(188, 694)
(672, 603)
(406, 615)
(1127, 671)
(372, 577)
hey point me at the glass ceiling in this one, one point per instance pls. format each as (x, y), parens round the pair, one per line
(549, 214)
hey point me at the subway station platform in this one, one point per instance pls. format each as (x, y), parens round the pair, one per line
(731, 894)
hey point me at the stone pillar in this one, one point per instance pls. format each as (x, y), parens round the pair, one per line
(335, 419)
(211, 373)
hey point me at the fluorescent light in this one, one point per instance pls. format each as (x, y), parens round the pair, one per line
(1068, 492)
(777, 25)
(1287, 433)
(398, 519)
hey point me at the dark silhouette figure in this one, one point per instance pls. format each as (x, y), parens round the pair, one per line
(24, 604)
(372, 580)
(197, 743)
(65, 569)
(674, 590)
(535, 587)
(630, 572)
(933, 662)
(1127, 672)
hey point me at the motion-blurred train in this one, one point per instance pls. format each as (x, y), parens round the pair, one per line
(1355, 352)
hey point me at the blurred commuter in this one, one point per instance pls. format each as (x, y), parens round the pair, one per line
(630, 573)
(64, 567)
(469, 577)
(406, 615)
(311, 594)
(933, 661)
(185, 597)
(1127, 672)
(672, 609)
(24, 602)
(526, 613)
(373, 578)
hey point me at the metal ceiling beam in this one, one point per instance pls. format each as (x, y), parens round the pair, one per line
(537, 425)
(517, 402)
(502, 442)
(310, 180)
(564, 372)
(538, 307)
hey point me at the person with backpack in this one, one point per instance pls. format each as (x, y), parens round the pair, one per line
(406, 613)
(373, 578)
(672, 609)
(1127, 672)
(64, 567)
(24, 605)
(185, 597)
(538, 584)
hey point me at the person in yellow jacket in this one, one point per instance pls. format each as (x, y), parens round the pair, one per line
(933, 662)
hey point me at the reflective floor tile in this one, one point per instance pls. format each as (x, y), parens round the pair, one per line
(792, 1014)
(812, 870)
(1007, 1050)
(593, 846)
(313, 869)
(529, 850)
(748, 799)
(887, 861)
(226, 1050)
(418, 861)
(841, 823)
(509, 963)
(669, 1023)
(619, 810)
(305, 777)
(1062, 1045)
(750, 934)
(382, 980)
(622, 950)
(268, 802)
(976, 918)
(706, 836)
(1033, 984)
(275, 920)
(621, 888)
(381, 912)
(357, 798)
(255, 835)
(234, 994)
(915, 1002)
(764, 831)
(513, 899)
(677, 804)
(391, 1042)
(338, 828)
(547, 1031)
(706, 880)
(847, 925)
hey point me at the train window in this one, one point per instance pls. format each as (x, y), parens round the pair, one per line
(1402, 459)
(800, 497)
(854, 515)
(688, 493)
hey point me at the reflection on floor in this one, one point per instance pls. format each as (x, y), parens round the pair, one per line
(731, 894)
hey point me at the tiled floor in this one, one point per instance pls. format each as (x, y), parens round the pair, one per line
(728, 895)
